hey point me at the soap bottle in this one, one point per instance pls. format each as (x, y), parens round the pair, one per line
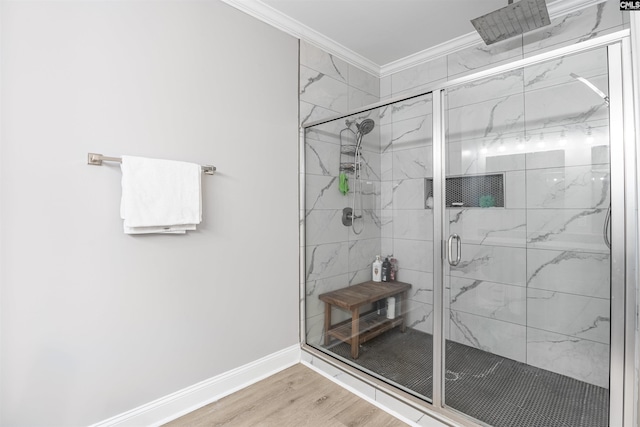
(394, 268)
(376, 269)
(386, 269)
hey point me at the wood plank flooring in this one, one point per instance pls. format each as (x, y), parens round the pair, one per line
(295, 397)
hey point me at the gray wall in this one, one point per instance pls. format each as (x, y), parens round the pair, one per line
(95, 322)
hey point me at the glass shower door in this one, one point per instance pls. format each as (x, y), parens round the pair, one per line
(527, 283)
(365, 190)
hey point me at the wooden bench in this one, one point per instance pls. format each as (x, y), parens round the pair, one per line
(363, 326)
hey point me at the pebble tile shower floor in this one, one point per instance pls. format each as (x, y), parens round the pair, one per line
(498, 391)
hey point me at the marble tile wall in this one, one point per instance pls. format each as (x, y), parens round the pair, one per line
(530, 284)
(335, 255)
(533, 281)
(537, 268)
(406, 156)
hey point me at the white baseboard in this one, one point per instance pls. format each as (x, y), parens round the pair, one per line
(182, 402)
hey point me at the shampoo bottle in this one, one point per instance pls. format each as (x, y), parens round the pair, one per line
(386, 267)
(376, 269)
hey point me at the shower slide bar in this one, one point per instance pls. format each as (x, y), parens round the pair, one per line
(97, 159)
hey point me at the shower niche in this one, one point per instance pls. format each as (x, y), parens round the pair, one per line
(475, 191)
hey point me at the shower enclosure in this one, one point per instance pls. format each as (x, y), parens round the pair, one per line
(496, 196)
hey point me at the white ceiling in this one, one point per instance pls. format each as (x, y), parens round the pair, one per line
(385, 36)
(384, 31)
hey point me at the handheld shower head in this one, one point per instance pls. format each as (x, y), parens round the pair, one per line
(365, 126)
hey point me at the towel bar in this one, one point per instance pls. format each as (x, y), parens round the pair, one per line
(97, 159)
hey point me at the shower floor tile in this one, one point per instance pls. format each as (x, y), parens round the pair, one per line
(495, 390)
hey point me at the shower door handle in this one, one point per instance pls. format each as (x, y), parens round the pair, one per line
(450, 249)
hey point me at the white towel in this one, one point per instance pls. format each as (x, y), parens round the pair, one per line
(160, 196)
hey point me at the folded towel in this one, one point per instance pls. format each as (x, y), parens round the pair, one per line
(344, 183)
(174, 229)
(160, 196)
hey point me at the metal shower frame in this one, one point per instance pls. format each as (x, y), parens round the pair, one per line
(624, 232)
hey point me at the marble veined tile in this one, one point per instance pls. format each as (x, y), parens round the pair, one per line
(315, 330)
(558, 71)
(364, 81)
(414, 224)
(583, 360)
(315, 307)
(575, 27)
(492, 263)
(578, 187)
(386, 166)
(370, 166)
(322, 158)
(407, 194)
(359, 276)
(485, 155)
(492, 335)
(369, 229)
(568, 314)
(362, 253)
(490, 119)
(359, 98)
(408, 109)
(319, 89)
(421, 284)
(419, 316)
(580, 273)
(481, 56)
(413, 163)
(514, 190)
(419, 75)
(489, 226)
(413, 255)
(498, 86)
(328, 132)
(568, 103)
(386, 223)
(386, 196)
(325, 226)
(326, 260)
(321, 61)
(566, 229)
(386, 138)
(487, 299)
(386, 245)
(572, 144)
(411, 133)
(322, 192)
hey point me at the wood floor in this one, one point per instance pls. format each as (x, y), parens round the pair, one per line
(295, 397)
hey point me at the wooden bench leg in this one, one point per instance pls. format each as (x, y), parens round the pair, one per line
(355, 332)
(403, 302)
(327, 323)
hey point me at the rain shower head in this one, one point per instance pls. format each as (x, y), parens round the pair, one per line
(365, 126)
(512, 20)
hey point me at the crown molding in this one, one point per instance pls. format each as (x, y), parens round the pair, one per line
(430, 54)
(277, 19)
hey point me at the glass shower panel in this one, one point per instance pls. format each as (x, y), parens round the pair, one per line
(527, 194)
(365, 195)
